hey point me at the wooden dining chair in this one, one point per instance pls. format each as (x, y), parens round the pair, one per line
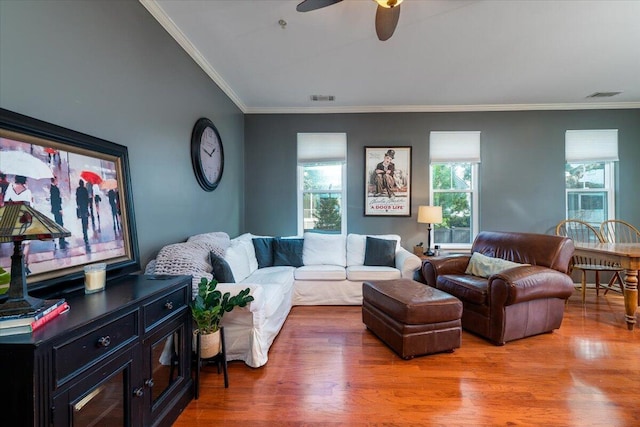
(619, 231)
(580, 231)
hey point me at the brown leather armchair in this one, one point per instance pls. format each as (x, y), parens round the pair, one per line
(517, 302)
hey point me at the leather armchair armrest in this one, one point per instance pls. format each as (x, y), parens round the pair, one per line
(436, 266)
(528, 283)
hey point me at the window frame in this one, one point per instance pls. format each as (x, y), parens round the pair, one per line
(609, 189)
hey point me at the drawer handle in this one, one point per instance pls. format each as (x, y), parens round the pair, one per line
(104, 341)
(168, 305)
(139, 392)
(149, 383)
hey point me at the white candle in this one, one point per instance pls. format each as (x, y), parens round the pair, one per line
(95, 277)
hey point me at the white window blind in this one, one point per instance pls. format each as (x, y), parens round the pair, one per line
(454, 147)
(598, 145)
(322, 147)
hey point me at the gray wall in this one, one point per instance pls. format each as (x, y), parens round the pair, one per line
(108, 69)
(521, 174)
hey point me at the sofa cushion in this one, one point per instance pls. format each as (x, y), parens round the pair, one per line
(364, 272)
(468, 288)
(380, 252)
(238, 260)
(321, 272)
(263, 247)
(484, 266)
(287, 252)
(247, 244)
(356, 246)
(327, 249)
(221, 270)
(276, 282)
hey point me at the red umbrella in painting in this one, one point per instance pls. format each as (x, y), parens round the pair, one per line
(50, 150)
(91, 177)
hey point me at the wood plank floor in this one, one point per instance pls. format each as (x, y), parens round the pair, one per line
(326, 369)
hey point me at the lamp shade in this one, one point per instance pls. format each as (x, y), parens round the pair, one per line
(19, 221)
(430, 214)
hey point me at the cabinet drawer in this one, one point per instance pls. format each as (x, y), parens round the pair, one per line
(164, 307)
(73, 356)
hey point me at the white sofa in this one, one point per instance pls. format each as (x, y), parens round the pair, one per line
(332, 274)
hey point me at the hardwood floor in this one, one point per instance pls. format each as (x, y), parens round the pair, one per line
(326, 369)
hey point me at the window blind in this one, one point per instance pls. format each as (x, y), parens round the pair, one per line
(321, 147)
(447, 147)
(596, 145)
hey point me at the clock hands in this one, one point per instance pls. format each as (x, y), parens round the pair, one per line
(209, 153)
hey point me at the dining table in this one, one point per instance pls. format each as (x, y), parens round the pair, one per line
(627, 255)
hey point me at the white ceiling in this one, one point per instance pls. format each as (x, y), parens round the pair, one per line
(445, 55)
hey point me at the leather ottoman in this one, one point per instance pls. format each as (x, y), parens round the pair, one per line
(412, 318)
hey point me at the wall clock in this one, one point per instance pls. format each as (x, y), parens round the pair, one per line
(207, 155)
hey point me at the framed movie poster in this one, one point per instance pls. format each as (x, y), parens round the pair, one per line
(83, 184)
(387, 181)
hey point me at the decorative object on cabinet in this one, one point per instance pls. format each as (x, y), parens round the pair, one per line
(387, 181)
(106, 360)
(18, 222)
(207, 154)
(429, 215)
(66, 154)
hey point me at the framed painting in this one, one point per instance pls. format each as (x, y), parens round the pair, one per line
(79, 181)
(387, 181)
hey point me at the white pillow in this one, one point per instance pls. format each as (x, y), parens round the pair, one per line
(238, 260)
(357, 245)
(484, 266)
(324, 249)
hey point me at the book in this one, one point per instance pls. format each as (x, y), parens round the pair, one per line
(35, 324)
(28, 318)
(63, 308)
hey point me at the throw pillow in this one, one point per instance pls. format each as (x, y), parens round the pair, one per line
(380, 252)
(221, 270)
(264, 251)
(483, 266)
(324, 249)
(288, 252)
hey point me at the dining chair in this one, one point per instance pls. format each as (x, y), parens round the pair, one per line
(619, 231)
(582, 232)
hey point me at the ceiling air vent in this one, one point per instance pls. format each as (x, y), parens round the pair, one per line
(603, 94)
(323, 98)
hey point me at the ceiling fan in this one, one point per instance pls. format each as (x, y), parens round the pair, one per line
(387, 14)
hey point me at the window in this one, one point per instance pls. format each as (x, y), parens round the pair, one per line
(589, 174)
(321, 182)
(454, 159)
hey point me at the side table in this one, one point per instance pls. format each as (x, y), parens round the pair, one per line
(219, 359)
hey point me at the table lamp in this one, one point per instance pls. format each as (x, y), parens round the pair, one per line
(429, 215)
(18, 222)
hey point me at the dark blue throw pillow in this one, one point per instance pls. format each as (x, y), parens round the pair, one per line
(287, 252)
(264, 251)
(380, 252)
(221, 270)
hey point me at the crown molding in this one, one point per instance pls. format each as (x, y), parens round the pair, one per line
(444, 108)
(167, 23)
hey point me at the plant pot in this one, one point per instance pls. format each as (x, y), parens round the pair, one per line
(210, 344)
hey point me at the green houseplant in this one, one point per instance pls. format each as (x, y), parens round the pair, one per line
(208, 308)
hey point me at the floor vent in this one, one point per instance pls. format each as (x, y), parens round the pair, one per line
(603, 94)
(323, 98)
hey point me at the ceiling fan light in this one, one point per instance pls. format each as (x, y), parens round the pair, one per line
(388, 3)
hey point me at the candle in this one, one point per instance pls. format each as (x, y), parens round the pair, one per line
(95, 277)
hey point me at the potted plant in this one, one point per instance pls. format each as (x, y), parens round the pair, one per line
(207, 309)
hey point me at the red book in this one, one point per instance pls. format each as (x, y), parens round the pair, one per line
(51, 315)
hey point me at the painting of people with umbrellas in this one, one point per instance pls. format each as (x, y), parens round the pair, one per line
(69, 185)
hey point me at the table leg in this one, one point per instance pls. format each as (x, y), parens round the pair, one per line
(630, 297)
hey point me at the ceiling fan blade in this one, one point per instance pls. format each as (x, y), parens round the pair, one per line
(309, 5)
(386, 21)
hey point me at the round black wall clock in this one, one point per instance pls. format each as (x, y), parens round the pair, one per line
(207, 155)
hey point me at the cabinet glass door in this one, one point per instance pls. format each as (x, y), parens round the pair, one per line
(102, 406)
(166, 369)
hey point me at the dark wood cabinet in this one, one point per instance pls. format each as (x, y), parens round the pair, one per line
(118, 357)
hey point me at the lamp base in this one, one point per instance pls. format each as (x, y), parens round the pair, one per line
(430, 253)
(23, 305)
